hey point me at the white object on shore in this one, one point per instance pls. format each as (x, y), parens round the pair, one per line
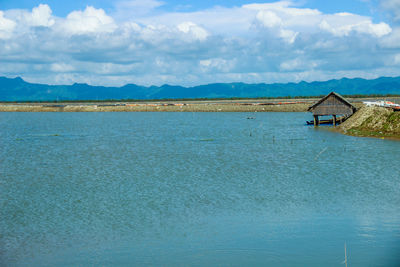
(386, 104)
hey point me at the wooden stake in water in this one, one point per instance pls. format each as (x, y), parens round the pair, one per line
(322, 151)
(345, 254)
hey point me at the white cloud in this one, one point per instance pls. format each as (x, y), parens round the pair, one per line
(194, 30)
(22, 20)
(219, 64)
(138, 43)
(91, 20)
(391, 41)
(288, 35)
(61, 67)
(392, 6)
(344, 24)
(40, 16)
(285, 8)
(298, 64)
(269, 19)
(6, 26)
(396, 59)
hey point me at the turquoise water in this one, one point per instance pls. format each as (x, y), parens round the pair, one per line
(194, 189)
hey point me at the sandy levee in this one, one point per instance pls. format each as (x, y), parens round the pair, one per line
(248, 105)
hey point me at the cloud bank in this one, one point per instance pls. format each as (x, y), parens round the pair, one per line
(137, 43)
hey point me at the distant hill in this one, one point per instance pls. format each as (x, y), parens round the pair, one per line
(18, 90)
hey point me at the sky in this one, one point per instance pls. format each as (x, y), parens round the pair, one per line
(155, 42)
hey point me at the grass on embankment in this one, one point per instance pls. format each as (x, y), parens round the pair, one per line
(373, 122)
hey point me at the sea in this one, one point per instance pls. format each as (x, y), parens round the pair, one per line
(194, 189)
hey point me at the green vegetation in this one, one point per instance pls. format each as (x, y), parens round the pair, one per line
(368, 133)
(373, 122)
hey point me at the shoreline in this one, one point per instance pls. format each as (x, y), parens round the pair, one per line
(248, 105)
(376, 122)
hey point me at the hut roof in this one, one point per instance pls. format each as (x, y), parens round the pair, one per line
(341, 98)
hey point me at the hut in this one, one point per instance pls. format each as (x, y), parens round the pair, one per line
(332, 104)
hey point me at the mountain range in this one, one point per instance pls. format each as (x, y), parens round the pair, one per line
(16, 89)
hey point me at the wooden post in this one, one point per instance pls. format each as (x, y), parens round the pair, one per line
(316, 121)
(334, 120)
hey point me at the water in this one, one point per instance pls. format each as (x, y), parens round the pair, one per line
(194, 189)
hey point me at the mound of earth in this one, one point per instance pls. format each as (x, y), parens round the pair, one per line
(373, 121)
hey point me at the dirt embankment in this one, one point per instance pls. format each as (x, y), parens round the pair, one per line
(373, 122)
(192, 107)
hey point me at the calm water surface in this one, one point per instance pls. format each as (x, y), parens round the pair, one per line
(194, 189)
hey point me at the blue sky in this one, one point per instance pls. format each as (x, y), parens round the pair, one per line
(62, 8)
(196, 42)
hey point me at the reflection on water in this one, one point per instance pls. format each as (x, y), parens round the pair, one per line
(109, 189)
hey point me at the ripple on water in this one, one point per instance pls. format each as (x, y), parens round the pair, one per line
(194, 188)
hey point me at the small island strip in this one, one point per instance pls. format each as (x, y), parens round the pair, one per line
(183, 105)
(244, 105)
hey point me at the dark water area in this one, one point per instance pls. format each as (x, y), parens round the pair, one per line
(194, 189)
